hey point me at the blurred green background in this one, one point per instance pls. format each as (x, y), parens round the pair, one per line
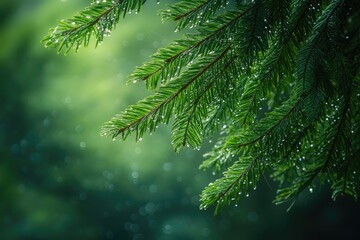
(59, 179)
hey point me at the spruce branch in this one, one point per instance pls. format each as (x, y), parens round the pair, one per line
(97, 20)
(278, 61)
(168, 62)
(192, 13)
(298, 186)
(276, 82)
(188, 127)
(272, 119)
(334, 143)
(347, 184)
(238, 179)
(232, 184)
(311, 53)
(145, 115)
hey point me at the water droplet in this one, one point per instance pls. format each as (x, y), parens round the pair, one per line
(82, 145)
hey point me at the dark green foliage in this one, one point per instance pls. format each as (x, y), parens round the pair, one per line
(277, 81)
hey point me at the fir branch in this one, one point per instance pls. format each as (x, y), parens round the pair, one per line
(300, 183)
(297, 140)
(96, 20)
(310, 53)
(278, 80)
(339, 128)
(302, 19)
(271, 119)
(347, 182)
(168, 61)
(133, 116)
(239, 178)
(192, 13)
(188, 126)
(236, 181)
(217, 158)
(278, 62)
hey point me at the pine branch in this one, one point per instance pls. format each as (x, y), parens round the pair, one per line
(168, 62)
(347, 184)
(276, 81)
(192, 13)
(339, 129)
(97, 21)
(300, 183)
(311, 53)
(217, 158)
(278, 62)
(239, 178)
(138, 117)
(271, 119)
(320, 163)
(253, 35)
(236, 181)
(188, 126)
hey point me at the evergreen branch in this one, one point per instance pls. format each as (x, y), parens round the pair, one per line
(346, 184)
(339, 127)
(301, 182)
(188, 126)
(278, 81)
(194, 13)
(167, 62)
(189, 118)
(310, 53)
(212, 120)
(251, 103)
(96, 20)
(243, 174)
(164, 96)
(237, 180)
(217, 158)
(179, 17)
(272, 117)
(93, 21)
(279, 61)
(298, 139)
(302, 18)
(319, 166)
